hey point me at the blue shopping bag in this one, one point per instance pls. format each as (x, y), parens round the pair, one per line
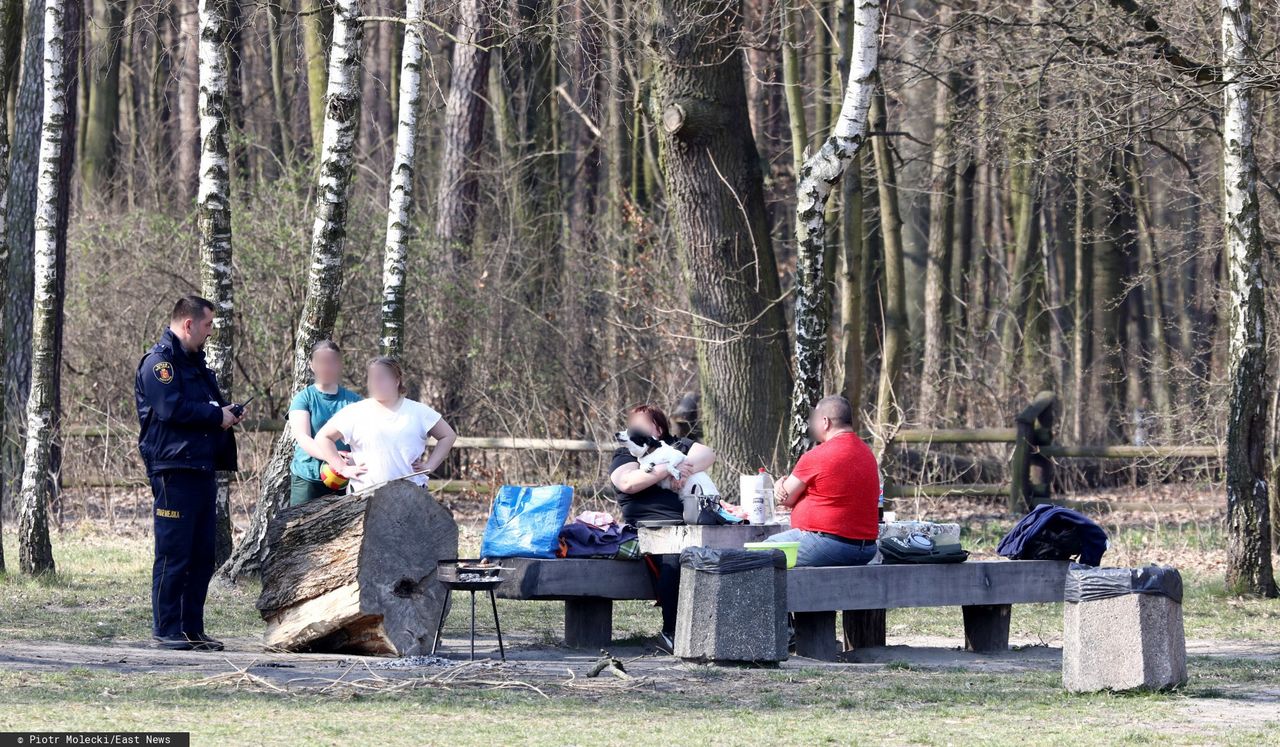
(525, 522)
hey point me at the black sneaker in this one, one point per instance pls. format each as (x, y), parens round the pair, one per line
(204, 642)
(668, 641)
(173, 642)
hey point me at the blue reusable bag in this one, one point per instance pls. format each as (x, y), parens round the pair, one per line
(525, 522)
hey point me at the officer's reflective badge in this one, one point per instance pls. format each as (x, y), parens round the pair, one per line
(168, 513)
(163, 371)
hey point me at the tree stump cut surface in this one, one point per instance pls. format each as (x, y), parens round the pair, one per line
(357, 573)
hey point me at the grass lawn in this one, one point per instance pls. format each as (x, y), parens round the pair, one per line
(894, 704)
(101, 596)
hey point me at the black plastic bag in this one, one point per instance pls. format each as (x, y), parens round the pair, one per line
(724, 561)
(1087, 584)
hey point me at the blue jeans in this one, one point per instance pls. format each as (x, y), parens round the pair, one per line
(818, 549)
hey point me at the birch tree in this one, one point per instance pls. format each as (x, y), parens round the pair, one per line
(35, 554)
(324, 282)
(818, 175)
(27, 123)
(213, 209)
(400, 200)
(1249, 542)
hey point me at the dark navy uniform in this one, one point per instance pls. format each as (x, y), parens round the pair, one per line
(183, 445)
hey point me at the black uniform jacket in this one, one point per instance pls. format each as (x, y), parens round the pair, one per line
(180, 411)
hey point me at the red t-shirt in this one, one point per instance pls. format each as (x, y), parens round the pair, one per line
(842, 489)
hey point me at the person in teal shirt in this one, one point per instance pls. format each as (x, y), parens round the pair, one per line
(310, 409)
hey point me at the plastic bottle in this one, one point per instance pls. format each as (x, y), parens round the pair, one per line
(881, 505)
(756, 492)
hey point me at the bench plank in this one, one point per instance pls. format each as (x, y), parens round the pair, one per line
(978, 582)
(574, 578)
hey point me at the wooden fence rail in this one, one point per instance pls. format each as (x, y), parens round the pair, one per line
(1030, 465)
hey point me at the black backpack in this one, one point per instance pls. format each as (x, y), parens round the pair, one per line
(919, 549)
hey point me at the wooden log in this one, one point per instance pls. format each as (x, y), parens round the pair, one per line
(357, 573)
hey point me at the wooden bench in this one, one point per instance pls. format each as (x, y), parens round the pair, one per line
(984, 590)
(588, 589)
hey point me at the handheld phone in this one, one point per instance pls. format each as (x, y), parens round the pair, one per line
(238, 409)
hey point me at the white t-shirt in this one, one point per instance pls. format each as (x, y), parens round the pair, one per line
(386, 442)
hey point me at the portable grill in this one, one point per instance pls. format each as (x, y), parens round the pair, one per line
(470, 576)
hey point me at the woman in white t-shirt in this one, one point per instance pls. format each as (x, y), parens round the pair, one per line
(387, 433)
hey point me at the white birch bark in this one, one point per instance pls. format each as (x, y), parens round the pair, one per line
(324, 282)
(35, 554)
(213, 209)
(820, 172)
(400, 199)
(1249, 542)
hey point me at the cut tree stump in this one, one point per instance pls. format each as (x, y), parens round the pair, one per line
(357, 573)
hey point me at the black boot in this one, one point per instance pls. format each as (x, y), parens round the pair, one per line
(173, 642)
(204, 642)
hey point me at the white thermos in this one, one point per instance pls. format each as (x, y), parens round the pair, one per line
(756, 493)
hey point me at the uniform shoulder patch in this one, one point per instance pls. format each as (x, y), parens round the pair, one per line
(163, 371)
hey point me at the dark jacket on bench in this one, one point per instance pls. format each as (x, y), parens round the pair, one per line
(1054, 533)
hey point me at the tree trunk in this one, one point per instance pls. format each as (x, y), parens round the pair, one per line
(281, 127)
(213, 206)
(792, 81)
(1160, 365)
(98, 162)
(400, 200)
(888, 413)
(1249, 531)
(357, 573)
(1082, 300)
(324, 283)
(27, 123)
(317, 27)
(853, 286)
(8, 10)
(714, 191)
(188, 101)
(937, 284)
(35, 554)
(1024, 189)
(816, 178)
(457, 193)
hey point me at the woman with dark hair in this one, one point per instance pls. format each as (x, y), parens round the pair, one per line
(387, 432)
(310, 409)
(642, 497)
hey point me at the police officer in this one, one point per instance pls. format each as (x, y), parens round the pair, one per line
(185, 438)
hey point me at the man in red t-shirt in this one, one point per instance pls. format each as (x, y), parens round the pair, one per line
(834, 492)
